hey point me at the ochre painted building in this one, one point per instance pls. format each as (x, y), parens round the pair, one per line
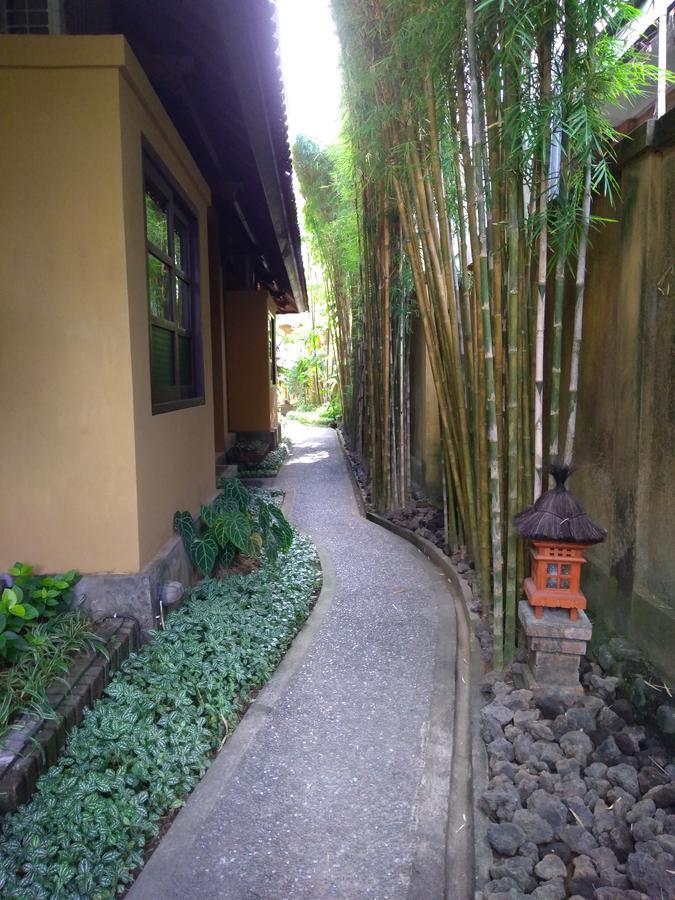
(144, 176)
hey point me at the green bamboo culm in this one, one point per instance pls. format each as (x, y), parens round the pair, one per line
(455, 115)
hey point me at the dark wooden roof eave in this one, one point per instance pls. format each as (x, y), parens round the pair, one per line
(240, 25)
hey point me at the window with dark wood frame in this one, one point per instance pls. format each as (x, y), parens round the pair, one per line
(173, 298)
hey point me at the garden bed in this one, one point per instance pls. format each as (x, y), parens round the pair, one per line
(33, 742)
(322, 417)
(139, 752)
(268, 467)
(581, 795)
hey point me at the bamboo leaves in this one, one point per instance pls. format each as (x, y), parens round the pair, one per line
(487, 123)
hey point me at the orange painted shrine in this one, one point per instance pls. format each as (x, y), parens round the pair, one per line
(555, 577)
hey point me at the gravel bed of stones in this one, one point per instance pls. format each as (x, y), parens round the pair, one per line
(581, 798)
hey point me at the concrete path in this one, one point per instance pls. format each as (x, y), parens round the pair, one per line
(335, 784)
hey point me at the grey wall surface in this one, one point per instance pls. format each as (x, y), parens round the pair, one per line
(626, 424)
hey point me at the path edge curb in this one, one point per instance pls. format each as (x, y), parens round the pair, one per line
(466, 868)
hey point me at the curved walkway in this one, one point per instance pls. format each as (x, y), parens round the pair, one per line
(335, 784)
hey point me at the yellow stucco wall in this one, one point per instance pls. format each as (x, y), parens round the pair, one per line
(67, 467)
(175, 452)
(250, 393)
(88, 476)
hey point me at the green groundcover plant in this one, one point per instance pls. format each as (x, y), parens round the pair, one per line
(148, 741)
(269, 467)
(27, 602)
(53, 644)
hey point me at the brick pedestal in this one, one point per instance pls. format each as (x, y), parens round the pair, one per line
(555, 647)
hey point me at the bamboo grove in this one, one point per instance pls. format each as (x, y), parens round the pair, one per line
(477, 133)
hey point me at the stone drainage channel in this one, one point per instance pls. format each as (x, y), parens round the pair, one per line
(352, 774)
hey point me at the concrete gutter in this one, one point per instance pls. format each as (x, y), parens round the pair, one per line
(466, 868)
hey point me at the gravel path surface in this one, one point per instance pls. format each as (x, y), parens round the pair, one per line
(340, 791)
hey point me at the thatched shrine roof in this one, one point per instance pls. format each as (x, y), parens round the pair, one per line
(557, 516)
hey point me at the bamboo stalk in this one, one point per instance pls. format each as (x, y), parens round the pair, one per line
(578, 316)
(493, 449)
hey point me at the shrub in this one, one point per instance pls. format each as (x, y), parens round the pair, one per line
(29, 600)
(238, 521)
(145, 745)
(53, 644)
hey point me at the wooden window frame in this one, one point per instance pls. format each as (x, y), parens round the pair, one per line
(179, 208)
(55, 18)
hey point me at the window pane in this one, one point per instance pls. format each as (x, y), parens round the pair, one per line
(565, 584)
(38, 20)
(552, 569)
(181, 245)
(156, 219)
(552, 583)
(185, 359)
(182, 308)
(158, 288)
(565, 570)
(162, 359)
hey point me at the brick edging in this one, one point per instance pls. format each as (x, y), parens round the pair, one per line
(34, 744)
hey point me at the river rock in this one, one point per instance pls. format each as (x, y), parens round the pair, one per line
(620, 648)
(568, 768)
(530, 851)
(603, 818)
(549, 808)
(540, 731)
(577, 838)
(505, 838)
(621, 841)
(650, 777)
(645, 874)
(576, 745)
(498, 711)
(627, 742)
(645, 829)
(501, 802)
(490, 728)
(609, 720)
(663, 796)
(536, 828)
(551, 890)
(665, 718)
(607, 752)
(571, 787)
(518, 869)
(625, 777)
(641, 809)
(584, 879)
(551, 866)
(518, 700)
(612, 893)
(523, 718)
(550, 704)
(500, 749)
(595, 770)
(503, 889)
(526, 786)
(580, 812)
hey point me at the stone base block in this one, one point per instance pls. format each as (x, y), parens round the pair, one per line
(556, 644)
(136, 594)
